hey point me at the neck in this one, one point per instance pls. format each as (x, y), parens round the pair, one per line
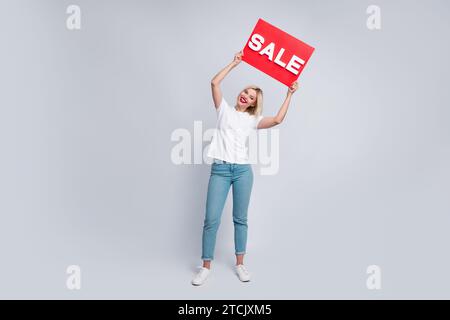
(240, 109)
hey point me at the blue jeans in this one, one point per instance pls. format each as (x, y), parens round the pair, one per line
(223, 175)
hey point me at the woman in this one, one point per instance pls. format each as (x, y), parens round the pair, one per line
(231, 166)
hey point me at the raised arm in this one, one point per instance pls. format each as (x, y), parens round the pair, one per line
(215, 82)
(268, 122)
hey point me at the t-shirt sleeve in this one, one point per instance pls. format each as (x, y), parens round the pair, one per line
(257, 120)
(222, 106)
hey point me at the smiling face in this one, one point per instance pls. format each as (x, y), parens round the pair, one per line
(247, 98)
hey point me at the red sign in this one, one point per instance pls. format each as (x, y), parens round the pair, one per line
(276, 53)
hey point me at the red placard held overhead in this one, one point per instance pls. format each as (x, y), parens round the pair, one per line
(276, 53)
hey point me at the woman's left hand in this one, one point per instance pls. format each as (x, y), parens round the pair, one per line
(293, 87)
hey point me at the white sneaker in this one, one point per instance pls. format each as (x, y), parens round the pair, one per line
(201, 276)
(242, 273)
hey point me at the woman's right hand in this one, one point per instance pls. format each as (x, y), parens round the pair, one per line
(238, 57)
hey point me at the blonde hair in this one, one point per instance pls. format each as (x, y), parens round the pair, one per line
(257, 109)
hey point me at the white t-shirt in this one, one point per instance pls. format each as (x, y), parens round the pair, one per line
(232, 130)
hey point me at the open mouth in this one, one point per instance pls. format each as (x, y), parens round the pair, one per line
(243, 100)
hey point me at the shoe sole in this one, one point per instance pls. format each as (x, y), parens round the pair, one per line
(242, 280)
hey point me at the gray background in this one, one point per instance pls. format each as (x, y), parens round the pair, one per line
(87, 179)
